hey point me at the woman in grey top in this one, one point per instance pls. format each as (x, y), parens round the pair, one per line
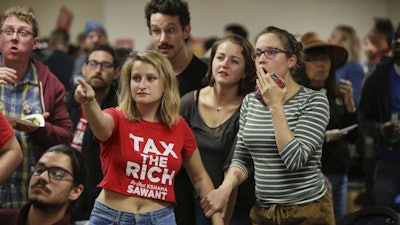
(213, 115)
(281, 135)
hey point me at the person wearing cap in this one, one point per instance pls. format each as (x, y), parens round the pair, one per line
(280, 136)
(379, 115)
(322, 60)
(94, 34)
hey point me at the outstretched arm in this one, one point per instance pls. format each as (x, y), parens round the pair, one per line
(101, 123)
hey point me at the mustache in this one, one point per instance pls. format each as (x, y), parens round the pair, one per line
(98, 76)
(164, 45)
(41, 186)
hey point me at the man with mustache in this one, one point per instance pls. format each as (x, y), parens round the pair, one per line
(169, 28)
(100, 70)
(56, 183)
(379, 115)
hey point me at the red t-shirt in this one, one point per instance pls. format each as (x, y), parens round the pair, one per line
(6, 131)
(142, 158)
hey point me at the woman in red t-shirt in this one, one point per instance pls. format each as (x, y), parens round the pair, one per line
(144, 142)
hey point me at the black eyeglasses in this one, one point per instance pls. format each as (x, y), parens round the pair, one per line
(9, 32)
(92, 64)
(54, 172)
(269, 52)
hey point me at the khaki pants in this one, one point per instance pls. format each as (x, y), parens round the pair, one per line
(319, 212)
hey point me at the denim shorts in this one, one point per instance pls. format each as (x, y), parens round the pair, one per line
(103, 215)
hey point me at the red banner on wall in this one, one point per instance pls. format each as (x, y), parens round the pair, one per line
(64, 18)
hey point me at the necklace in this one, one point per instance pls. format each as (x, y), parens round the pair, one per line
(224, 107)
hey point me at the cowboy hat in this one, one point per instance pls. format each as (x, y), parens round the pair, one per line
(337, 54)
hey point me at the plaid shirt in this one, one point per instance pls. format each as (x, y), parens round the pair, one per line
(20, 100)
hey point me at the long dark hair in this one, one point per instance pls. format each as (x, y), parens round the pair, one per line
(247, 84)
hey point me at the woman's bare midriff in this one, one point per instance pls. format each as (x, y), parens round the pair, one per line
(131, 204)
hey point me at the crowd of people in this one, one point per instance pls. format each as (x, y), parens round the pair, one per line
(248, 133)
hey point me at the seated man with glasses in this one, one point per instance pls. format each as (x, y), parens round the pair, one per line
(56, 183)
(28, 87)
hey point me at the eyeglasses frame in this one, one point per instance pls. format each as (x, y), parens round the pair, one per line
(48, 168)
(258, 54)
(18, 32)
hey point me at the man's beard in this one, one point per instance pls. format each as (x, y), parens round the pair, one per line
(98, 86)
(44, 206)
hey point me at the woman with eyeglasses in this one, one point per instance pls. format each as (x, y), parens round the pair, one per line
(280, 136)
(143, 144)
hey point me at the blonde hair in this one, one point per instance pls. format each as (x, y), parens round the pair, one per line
(23, 14)
(168, 110)
(351, 42)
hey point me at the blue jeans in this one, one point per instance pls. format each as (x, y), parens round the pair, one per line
(339, 194)
(103, 215)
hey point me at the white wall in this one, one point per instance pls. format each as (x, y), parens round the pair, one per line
(47, 12)
(125, 18)
(394, 11)
(210, 16)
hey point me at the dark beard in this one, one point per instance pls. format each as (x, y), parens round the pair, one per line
(43, 206)
(97, 89)
(101, 87)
